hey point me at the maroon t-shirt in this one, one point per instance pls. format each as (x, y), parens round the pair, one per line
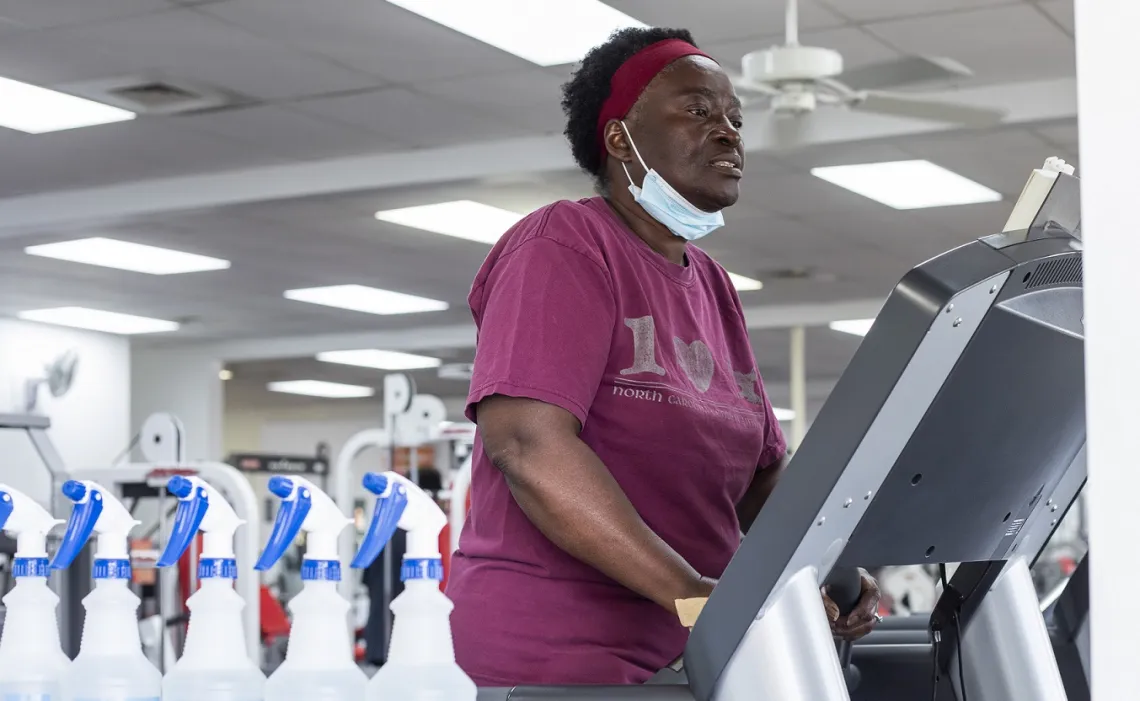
(653, 358)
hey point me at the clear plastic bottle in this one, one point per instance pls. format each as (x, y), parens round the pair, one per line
(319, 664)
(214, 664)
(421, 657)
(110, 665)
(31, 659)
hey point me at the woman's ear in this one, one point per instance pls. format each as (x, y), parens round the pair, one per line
(617, 143)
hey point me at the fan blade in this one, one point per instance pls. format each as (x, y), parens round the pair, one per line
(914, 108)
(909, 70)
(743, 85)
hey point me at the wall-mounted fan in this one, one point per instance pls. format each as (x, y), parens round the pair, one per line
(58, 376)
(793, 80)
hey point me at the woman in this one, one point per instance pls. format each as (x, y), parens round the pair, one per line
(625, 438)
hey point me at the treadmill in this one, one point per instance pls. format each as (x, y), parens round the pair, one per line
(955, 435)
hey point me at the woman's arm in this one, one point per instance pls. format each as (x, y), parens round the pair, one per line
(569, 495)
(763, 482)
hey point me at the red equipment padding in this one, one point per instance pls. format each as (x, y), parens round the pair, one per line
(274, 620)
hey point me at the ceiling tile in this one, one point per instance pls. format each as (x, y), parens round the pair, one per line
(287, 133)
(1001, 159)
(376, 37)
(529, 98)
(1061, 12)
(798, 194)
(857, 47)
(1063, 135)
(864, 10)
(804, 159)
(966, 222)
(54, 59)
(1013, 42)
(119, 152)
(190, 45)
(409, 118)
(44, 14)
(727, 20)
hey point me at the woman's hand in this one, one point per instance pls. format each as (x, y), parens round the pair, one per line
(863, 618)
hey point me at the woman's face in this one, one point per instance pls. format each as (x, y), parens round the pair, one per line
(687, 128)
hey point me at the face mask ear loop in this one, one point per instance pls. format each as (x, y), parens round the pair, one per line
(635, 151)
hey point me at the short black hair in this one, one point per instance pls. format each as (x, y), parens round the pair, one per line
(586, 91)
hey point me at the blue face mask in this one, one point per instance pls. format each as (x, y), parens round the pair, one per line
(667, 206)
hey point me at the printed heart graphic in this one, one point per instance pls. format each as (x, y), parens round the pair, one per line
(697, 362)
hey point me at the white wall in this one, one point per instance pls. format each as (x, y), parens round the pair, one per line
(91, 424)
(183, 383)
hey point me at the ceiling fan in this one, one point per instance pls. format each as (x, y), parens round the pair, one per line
(793, 80)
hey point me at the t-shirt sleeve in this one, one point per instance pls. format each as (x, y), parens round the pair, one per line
(545, 327)
(775, 445)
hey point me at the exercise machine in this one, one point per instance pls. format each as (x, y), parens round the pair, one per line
(955, 435)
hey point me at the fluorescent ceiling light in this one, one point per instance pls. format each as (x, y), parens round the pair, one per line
(745, 284)
(380, 359)
(907, 184)
(366, 299)
(542, 32)
(98, 320)
(462, 219)
(124, 255)
(36, 110)
(783, 414)
(857, 327)
(318, 388)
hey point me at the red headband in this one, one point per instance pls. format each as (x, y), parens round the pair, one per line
(634, 75)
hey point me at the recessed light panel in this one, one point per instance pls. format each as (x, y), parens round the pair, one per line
(123, 255)
(366, 299)
(542, 32)
(98, 320)
(379, 359)
(856, 327)
(464, 219)
(318, 388)
(907, 184)
(745, 284)
(35, 110)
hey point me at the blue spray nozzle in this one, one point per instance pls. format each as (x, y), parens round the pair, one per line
(74, 490)
(192, 506)
(295, 505)
(376, 483)
(390, 504)
(281, 486)
(7, 506)
(179, 486)
(81, 523)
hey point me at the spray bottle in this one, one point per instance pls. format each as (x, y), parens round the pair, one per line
(110, 665)
(214, 664)
(421, 657)
(319, 664)
(31, 658)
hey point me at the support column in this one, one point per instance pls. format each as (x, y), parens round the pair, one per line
(1109, 167)
(798, 386)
